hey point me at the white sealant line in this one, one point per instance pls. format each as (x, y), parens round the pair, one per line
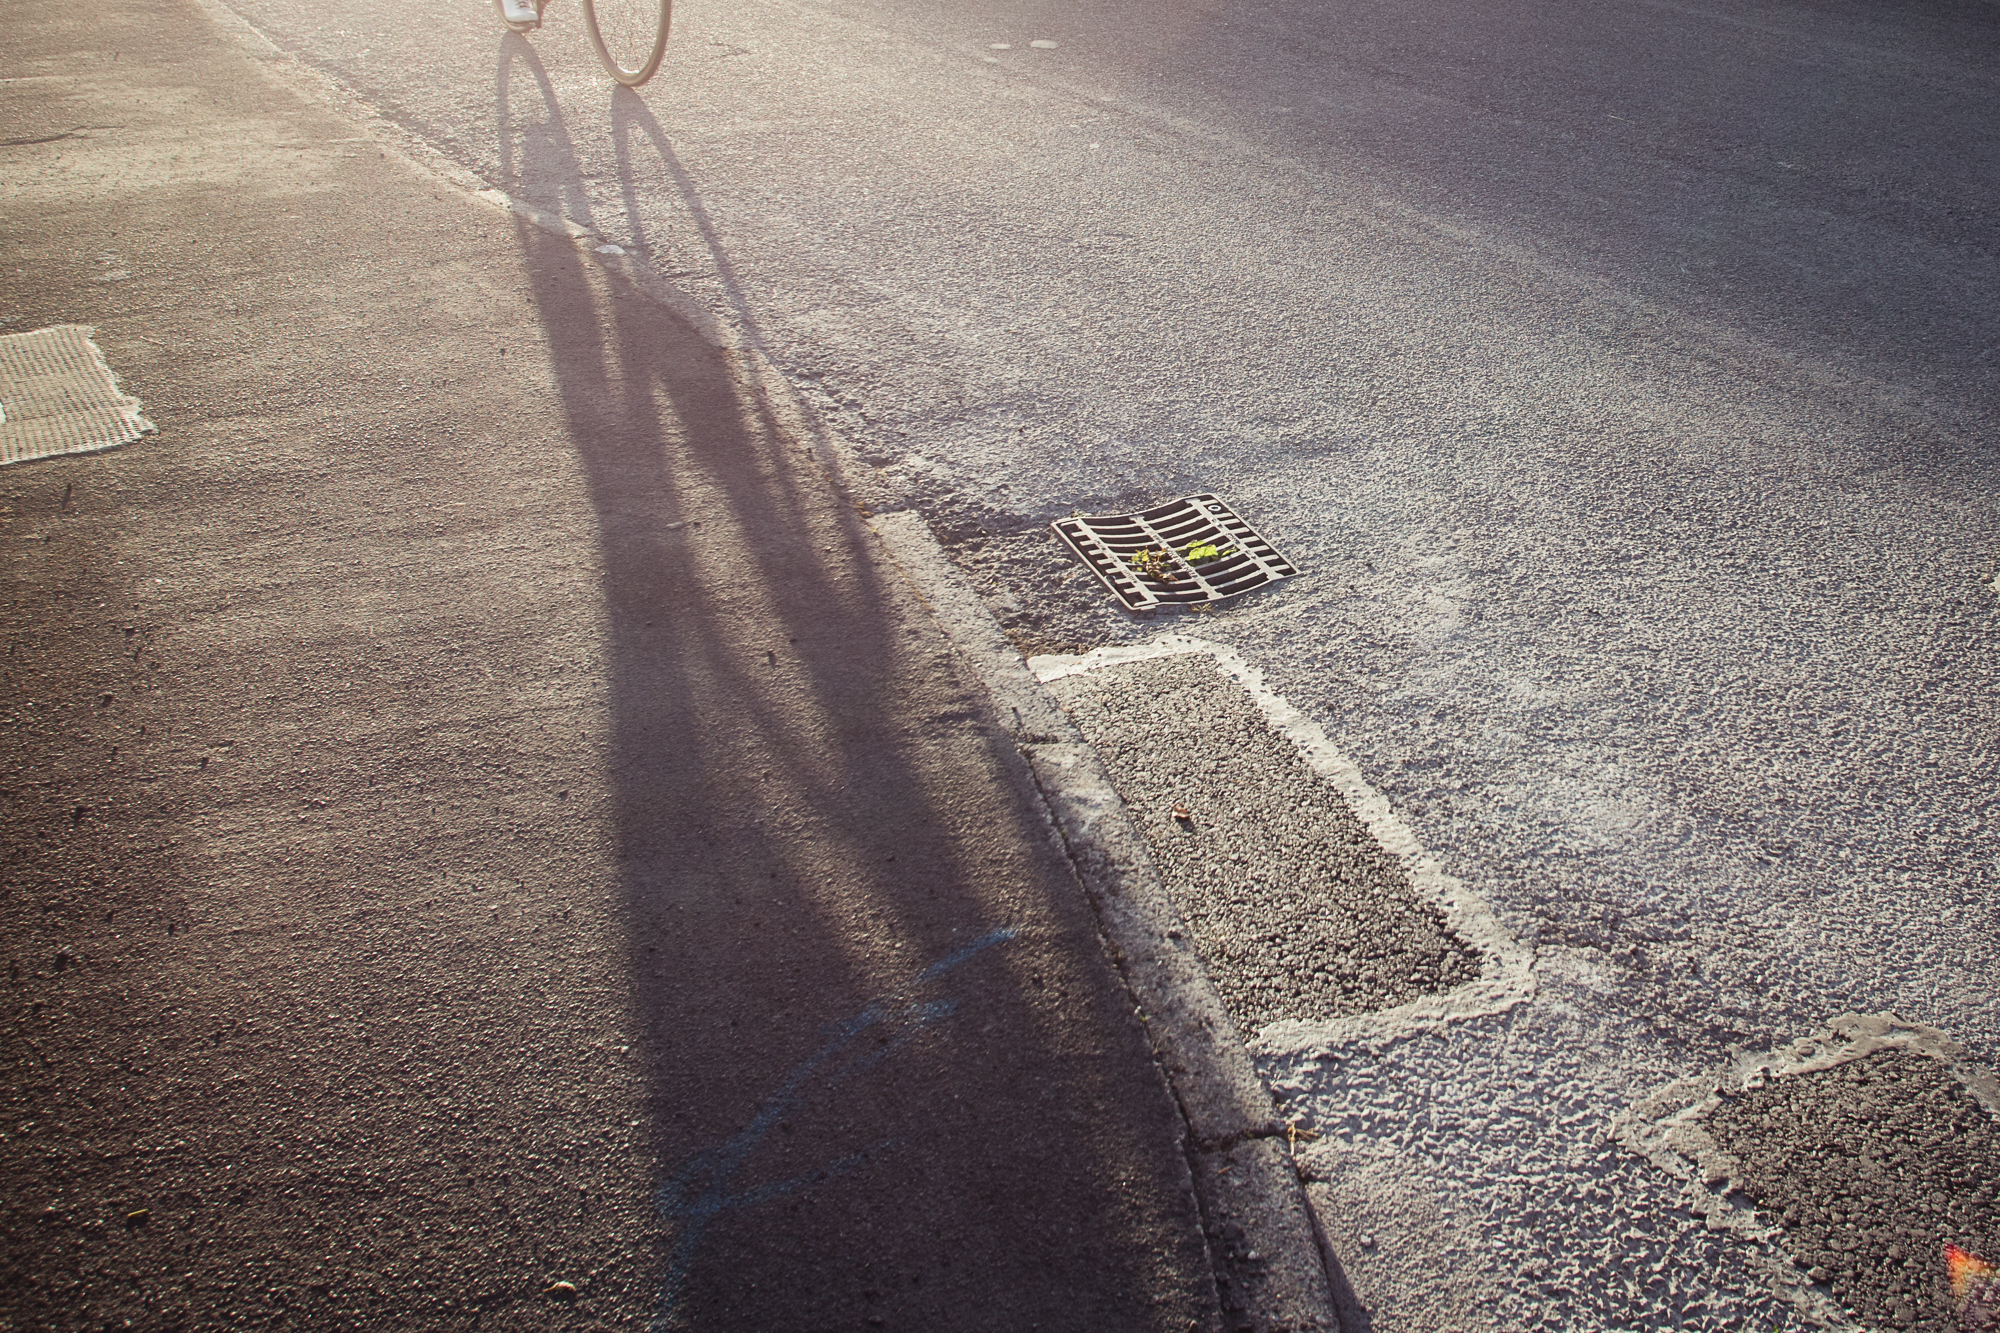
(1666, 1128)
(1506, 975)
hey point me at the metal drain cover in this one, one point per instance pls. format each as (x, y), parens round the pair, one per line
(1159, 556)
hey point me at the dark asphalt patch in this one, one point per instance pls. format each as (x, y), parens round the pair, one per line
(1295, 908)
(1870, 1168)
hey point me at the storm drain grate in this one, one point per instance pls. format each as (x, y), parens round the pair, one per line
(58, 396)
(1158, 556)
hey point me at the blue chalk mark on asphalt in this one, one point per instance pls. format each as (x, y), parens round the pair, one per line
(702, 1189)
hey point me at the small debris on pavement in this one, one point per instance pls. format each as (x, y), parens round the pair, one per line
(1154, 563)
(61, 397)
(1975, 1290)
(1862, 1165)
(562, 1291)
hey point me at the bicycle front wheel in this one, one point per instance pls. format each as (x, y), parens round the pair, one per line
(630, 36)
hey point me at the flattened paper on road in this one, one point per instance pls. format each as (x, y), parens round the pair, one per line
(1191, 550)
(58, 396)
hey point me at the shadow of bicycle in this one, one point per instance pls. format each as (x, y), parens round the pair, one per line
(890, 1073)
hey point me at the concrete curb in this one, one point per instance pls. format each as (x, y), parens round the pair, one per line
(1268, 1252)
(1270, 1261)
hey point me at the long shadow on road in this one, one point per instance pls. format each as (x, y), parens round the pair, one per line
(892, 1075)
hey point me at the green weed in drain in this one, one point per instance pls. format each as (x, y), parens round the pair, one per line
(1199, 551)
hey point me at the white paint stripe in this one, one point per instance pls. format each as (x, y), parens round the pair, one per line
(1055, 666)
(1507, 969)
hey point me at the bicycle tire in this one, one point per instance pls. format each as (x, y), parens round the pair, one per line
(631, 37)
(509, 24)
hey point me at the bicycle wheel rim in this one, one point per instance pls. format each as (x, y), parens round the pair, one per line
(630, 36)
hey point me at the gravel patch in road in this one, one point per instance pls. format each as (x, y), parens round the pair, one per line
(1295, 908)
(1869, 1168)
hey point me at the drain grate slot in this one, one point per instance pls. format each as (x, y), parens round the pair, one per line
(1111, 543)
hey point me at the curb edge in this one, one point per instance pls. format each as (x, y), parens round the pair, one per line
(1263, 1239)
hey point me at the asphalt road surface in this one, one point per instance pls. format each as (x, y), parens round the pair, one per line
(1623, 376)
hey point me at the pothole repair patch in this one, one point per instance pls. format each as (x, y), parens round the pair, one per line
(1870, 1169)
(1298, 911)
(58, 396)
(1857, 1156)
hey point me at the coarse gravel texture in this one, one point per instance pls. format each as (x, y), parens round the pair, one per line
(1296, 909)
(1870, 1167)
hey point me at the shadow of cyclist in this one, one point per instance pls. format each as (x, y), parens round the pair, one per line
(891, 1075)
